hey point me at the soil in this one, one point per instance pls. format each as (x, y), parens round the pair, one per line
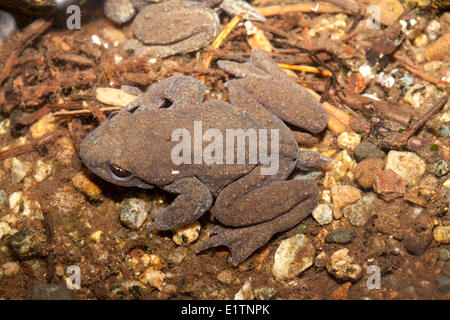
(54, 66)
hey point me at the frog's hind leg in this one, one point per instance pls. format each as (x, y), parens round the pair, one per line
(191, 203)
(302, 197)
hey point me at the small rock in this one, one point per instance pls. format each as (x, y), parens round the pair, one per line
(245, 293)
(359, 212)
(446, 183)
(389, 223)
(50, 292)
(367, 150)
(365, 171)
(10, 269)
(339, 170)
(19, 170)
(425, 193)
(4, 126)
(3, 197)
(323, 214)
(421, 40)
(445, 131)
(43, 126)
(21, 204)
(187, 234)
(342, 196)
(341, 293)
(114, 97)
(265, 293)
(128, 290)
(341, 266)
(114, 36)
(444, 254)
(437, 50)
(154, 278)
(348, 140)
(388, 184)
(376, 246)
(133, 212)
(390, 10)
(176, 255)
(26, 243)
(96, 236)
(321, 260)
(439, 168)
(226, 276)
(340, 236)
(406, 164)
(119, 11)
(5, 229)
(443, 283)
(293, 256)
(441, 234)
(417, 242)
(82, 183)
(43, 170)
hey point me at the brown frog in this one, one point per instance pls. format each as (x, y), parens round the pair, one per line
(174, 26)
(135, 148)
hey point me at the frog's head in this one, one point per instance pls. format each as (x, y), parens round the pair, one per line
(107, 151)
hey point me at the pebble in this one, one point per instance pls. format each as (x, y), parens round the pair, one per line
(19, 170)
(341, 293)
(445, 131)
(43, 126)
(340, 236)
(293, 256)
(365, 171)
(348, 140)
(321, 260)
(114, 97)
(421, 40)
(154, 278)
(441, 234)
(444, 254)
(443, 283)
(21, 204)
(246, 292)
(375, 246)
(439, 48)
(419, 94)
(226, 276)
(3, 197)
(129, 289)
(50, 292)
(119, 11)
(176, 256)
(425, 193)
(406, 164)
(26, 243)
(133, 212)
(417, 242)
(187, 234)
(439, 168)
(43, 170)
(367, 150)
(340, 169)
(342, 196)
(265, 293)
(114, 36)
(323, 214)
(5, 229)
(388, 184)
(10, 269)
(390, 10)
(388, 223)
(359, 212)
(4, 126)
(341, 266)
(82, 183)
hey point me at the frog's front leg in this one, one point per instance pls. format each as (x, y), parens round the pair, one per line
(191, 203)
(288, 212)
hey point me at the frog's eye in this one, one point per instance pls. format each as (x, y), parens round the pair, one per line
(119, 173)
(112, 114)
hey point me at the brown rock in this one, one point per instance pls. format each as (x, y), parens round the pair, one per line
(343, 195)
(366, 170)
(341, 293)
(388, 184)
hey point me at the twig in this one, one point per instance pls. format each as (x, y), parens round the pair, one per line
(84, 112)
(326, 73)
(218, 41)
(424, 119)
(316, 7)
(426, 77)
(9, 153)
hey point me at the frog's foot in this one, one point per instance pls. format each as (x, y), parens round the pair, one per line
(191, 203)
(242, 242)
(307, 159)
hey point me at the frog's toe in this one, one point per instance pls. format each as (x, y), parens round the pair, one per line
(242, 242)
(307, 160)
